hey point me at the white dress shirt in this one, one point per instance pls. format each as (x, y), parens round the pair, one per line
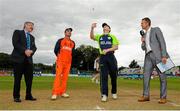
(147, 40)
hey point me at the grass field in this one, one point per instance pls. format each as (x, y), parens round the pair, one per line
(85, 95)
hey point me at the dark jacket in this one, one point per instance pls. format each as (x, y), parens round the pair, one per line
(19, 44)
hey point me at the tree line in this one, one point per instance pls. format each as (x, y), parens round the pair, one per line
(83, 59)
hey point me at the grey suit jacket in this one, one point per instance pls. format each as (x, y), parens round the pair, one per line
(157, 44)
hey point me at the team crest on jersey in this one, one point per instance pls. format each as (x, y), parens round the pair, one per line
(109, 38)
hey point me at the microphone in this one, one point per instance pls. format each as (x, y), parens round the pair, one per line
(142, 33)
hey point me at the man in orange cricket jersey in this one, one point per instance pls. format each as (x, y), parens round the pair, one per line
(63, 50)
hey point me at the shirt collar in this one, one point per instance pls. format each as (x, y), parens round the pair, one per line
(149, 30)
(26, 31)
(106, 34)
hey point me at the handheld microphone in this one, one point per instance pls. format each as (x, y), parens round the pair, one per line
(142, 33)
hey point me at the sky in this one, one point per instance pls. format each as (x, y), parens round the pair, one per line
(51, 17)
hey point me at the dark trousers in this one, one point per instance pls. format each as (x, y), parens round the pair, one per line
(25, 68)
(108, 65)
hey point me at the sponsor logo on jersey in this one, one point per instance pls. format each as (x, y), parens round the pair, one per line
(105, 42)
(67, 48)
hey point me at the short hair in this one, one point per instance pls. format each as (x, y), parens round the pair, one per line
(147, 20)
(27, 22)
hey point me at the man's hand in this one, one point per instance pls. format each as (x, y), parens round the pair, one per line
(93, 25)
(28, 52)
(105, 51)
(142, 39)
(92, 31)
(164, 60)
(114, 47)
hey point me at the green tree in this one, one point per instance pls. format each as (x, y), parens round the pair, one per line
(5, 61)
(84, 56)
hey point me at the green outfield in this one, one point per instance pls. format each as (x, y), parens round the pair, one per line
(85, 95)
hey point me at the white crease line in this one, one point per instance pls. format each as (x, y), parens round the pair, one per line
(174, 104)
(99, 108)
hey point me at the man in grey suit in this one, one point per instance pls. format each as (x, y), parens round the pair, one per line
(154, 45)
